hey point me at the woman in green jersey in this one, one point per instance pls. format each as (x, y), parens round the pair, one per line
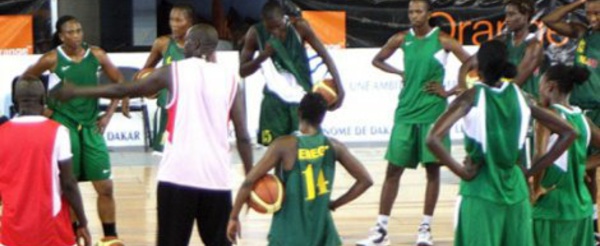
(563, 208)
(495, 208)
(76, 62)
(169, 48)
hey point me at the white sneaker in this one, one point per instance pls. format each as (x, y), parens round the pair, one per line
(424, 237)
(378, 236)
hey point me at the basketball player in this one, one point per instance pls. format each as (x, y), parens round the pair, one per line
(36, 181)
(305, 162)
(75, 61)
(495, 209)
(524, 49)
(587, 55)
(280, 44)
(169, 48)
(194, 173)
(565, 205)
(422, 100)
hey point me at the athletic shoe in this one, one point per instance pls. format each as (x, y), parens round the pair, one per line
(424, 237)
(378, 236)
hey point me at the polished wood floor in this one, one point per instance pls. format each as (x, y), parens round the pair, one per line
(135, 188)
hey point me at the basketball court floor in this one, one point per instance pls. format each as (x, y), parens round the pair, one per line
(135, 188)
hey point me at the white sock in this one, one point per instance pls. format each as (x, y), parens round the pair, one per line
(595, 212)
(427, 219)
(382, 220)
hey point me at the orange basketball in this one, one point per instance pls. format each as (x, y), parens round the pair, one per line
(267, 195)
(327, 89)
(143, 73)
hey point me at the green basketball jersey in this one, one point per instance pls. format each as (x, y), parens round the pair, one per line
(304, 218)
(495, 130)
(588, 55)
(82, 110)
(515, 55)
(290, 54)
(424, 61)
(173, 53)
(570, 198)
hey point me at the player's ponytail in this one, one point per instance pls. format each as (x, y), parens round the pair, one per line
(58, 26)
(566, 77)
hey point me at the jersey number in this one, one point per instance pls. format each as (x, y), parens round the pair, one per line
(310, 183)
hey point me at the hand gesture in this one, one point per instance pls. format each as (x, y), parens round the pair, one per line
(234, 230)
(436, 89)
(102, 123)
(83, 234)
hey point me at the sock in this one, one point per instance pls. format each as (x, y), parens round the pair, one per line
(427, 220)
(382, 220)
(110, 229)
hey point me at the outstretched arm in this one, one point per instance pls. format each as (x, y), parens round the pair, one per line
(457, 109)
(306, 32)
(566, 136)
(356, 170)
(555, 21)
(159, 79)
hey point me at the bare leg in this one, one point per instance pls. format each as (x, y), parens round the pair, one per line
(433, 188)
(389, 190)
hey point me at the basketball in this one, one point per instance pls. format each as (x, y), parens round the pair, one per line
(267, 195)
(143, 73)
(472, 77)
(327, 89)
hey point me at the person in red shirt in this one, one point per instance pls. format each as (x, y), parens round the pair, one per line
(36, 183)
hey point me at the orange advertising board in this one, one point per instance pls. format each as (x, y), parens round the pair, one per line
(16, 34)
(330, 26)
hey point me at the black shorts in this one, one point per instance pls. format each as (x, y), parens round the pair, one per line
(179, 206)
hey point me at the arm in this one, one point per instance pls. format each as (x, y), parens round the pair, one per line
(158, 48)
(312, 39)
(386, 52)
(464, 69)
(566, 136)
(46, 63)
(116, 77)
(70, 190)
(273, 156)
(532, 60)
(555, 21)
(593, 160)
(249, 65)
(355, 169)
(238, 117)
(459, 108)
(453, 46)
(150, 85)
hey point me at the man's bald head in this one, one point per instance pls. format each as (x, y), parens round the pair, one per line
(201, 41)
(30, 95)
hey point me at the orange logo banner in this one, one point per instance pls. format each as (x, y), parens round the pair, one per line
(16, 34)
(330, 26)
